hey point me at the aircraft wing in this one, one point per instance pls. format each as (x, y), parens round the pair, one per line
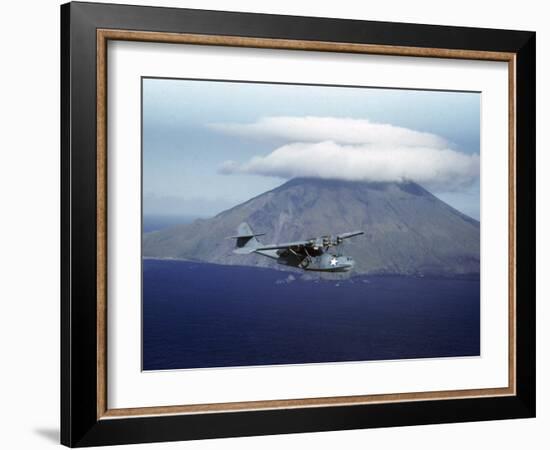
(309, 242)
(285, 245)
(350, 234)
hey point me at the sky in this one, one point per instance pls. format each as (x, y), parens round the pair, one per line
(209, 145)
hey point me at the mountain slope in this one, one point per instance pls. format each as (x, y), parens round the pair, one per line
(407, 229)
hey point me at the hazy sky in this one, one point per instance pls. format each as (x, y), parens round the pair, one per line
(210, 145)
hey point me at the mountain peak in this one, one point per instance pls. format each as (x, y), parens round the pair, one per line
(407, 229)
(406, 186)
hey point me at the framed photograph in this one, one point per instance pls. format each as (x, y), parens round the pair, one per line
(276, 224)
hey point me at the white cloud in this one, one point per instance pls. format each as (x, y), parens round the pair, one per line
(442, 169)
(337, 129)
(355, 150)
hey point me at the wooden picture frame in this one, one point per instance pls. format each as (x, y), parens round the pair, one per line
(86, 418)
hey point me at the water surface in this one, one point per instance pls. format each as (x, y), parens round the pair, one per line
(199, 315)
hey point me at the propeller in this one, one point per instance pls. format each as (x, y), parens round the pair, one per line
(339, 238)
(332, 241)
(349, 234)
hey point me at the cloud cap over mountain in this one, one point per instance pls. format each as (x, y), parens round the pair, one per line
(353, 149)
(338, 129)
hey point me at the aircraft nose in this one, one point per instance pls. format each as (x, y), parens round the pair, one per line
(348, 262)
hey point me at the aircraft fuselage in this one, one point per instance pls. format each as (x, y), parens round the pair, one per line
(322, 262)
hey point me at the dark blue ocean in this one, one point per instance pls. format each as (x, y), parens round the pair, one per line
(204, 315)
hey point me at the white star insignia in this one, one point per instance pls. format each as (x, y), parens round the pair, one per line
(333, 262)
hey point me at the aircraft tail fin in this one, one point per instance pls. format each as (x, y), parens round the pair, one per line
(247, 240)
